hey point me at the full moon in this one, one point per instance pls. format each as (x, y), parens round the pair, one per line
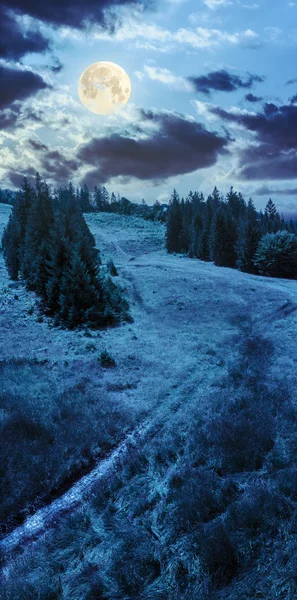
(104, 87)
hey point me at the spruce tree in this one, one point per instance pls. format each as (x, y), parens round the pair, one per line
(215, 199)
(236, 204)
(14, 235)
(58, 261)
(39, 223)
(270, 217)
(276, 255)
(77, 291)
(187, 217)
(224, 237)
(10, 245)
(196, 229)
(208, 217)
(85, 199)
(113, 202)
(174, 224)
(248, 239)
(97, 198)
(105, 200)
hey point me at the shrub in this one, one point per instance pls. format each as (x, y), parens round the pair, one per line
(106, 360)
(195, 496)
(259, 511)
(241, 437)
(112, 268)
(134, 562)
(276, 255)
(217, 552)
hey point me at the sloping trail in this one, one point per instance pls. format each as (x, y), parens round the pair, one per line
(47, 517)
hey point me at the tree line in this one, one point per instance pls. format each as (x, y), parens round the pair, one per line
(100, 200)
(48, 244)
(230, 232)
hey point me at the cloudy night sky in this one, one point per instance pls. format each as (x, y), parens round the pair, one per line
(213, 102)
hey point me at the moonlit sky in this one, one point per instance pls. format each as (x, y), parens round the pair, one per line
(213, 102)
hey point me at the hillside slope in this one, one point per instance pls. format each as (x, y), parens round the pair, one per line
(186, 317)
(189, 318)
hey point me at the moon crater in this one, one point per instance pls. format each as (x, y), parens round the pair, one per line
(104, 87)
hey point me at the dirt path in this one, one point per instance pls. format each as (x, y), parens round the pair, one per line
(47, 517)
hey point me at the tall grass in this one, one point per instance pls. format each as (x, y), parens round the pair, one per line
(205, 508)
(48, 438)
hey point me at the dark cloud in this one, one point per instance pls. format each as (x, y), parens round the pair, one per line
(275, 125)
(274, 155)
(16, 84)
(222, 81)
(264, 190)
(8, 117)
(52, 165)
(264, 162)
(16, 42)
(293, 99)
(57, 167)
(178, 146)
(16, 177)
(74, 13)
(251, 98)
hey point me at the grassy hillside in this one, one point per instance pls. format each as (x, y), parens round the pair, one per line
(203, 504)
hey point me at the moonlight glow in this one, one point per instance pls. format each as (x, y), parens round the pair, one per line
(104, 87)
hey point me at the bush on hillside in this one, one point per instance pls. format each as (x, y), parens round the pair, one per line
(276, 255)
(112, 268)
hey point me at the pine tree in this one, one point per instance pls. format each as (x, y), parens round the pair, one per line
(58, 261)
(208, 217)
(236, 204)
(276, 255)
(187, 217)
(248, 239)
(270, 217)
(113, 202)
(291, 226)
(97, 198)
(215, 199)
(39, 223)
(205, 243)
(105, 200)
(196, 229)
(224, 237)
(85, 199)
(14, 235)
(10, 245)
(77, 291)
(101, 199)
(174, 224)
